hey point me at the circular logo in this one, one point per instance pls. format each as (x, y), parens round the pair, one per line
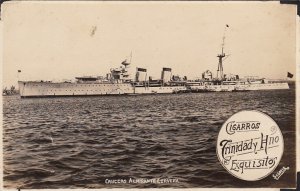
(250, 145)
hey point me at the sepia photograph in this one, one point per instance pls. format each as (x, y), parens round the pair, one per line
(148, 94)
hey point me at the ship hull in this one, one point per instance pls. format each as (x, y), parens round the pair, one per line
(269, 86)
(50, 89)
(159, 90)
(238, 88)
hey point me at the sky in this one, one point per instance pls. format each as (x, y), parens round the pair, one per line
(62, 40)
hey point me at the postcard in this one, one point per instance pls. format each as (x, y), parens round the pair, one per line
(148, 94)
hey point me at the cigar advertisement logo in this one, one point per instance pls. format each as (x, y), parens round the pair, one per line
(250, 145)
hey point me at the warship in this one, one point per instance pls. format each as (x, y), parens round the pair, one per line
(119, 82)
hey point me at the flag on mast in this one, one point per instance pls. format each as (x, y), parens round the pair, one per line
(290, 75)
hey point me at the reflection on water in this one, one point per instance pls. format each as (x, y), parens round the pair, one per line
(79, 142)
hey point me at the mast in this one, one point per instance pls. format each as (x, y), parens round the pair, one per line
(221, 56)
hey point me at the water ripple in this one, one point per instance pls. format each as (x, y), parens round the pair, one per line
(79, 142)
